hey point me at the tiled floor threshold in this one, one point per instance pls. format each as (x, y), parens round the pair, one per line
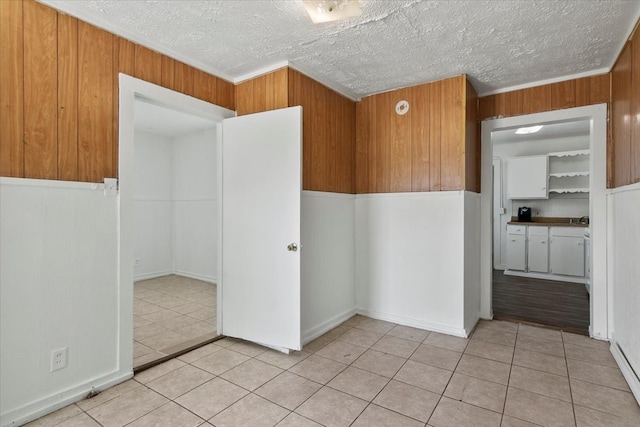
(368, 372)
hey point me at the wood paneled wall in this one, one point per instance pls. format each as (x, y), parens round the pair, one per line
(328, 146)
(554, 96)
(433, 147)
(59, 92)
(625, 114)
(329, 135)
(267, 92)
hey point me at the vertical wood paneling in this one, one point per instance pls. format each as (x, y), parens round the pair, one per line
(536, 99)
(183, 78)
(383, 142)
(263, 93)
(363, 139)
(621, 111)
(400, 142)
(452, 136)
(115, 119)
(40, 91)
(59, 92)
(167, 71)
(420, 141)
(148, 65)
(126, 56)
(513, 103)
(567, 94)
(563, 95)
(472, 141)
(226, 94)
(635, 108)
(346, 146)
(95, 103)
(67, 98)
(331, 138)
(11, 89)
(600, 89)
(328, 126)
(435, 132)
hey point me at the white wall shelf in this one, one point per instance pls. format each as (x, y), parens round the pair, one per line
(569, 172)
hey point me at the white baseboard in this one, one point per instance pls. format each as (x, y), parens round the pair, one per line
(60, 399)
(204, 278)
(324, 327)
(415, 323)
(152, 275)
(627, 371)
(155, 274)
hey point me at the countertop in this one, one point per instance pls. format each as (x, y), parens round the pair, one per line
(547, 221)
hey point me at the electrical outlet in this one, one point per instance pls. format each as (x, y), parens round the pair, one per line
(137, 261)
(59, 359)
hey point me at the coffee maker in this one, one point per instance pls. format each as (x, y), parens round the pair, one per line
(524, 214)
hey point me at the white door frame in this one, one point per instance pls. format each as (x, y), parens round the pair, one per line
(597, 116)
(130, 89)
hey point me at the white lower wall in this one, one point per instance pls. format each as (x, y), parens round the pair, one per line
(471, 260)
(410, 259)
(59, 287)
(153, 238)
(327, 261)
(624, 254)
(196, 239)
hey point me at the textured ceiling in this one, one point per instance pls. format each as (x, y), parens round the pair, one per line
(498, 43)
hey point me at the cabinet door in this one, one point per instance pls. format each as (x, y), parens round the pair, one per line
(527, 177)
(538, 254)
(516, 252)
(567, 255)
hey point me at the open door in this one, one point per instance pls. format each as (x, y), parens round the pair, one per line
(261, 188)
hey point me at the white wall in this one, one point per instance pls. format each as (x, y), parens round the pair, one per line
(153, 206)
(327, 261)
(410, 259)
(195, 191)
(624, 254)
(58, 288)
(471, 260)
(175, 205)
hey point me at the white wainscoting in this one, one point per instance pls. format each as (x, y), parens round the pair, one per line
(59, 287)
(624, 281)
(410, 259)
(327, 261)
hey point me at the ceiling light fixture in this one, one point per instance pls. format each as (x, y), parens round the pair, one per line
(530, 129)
(332, 10)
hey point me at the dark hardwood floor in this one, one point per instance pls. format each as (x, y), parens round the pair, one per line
(560, 305)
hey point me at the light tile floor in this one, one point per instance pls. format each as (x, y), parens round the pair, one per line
(171, 313)
(368, 372)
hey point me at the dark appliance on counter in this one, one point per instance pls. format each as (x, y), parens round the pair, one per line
(524, 214)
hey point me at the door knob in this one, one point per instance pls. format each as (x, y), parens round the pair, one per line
(292, 247)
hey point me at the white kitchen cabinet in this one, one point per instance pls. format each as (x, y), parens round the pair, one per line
(527, 177)
(566, 251)
(516, 247)
(538, 249)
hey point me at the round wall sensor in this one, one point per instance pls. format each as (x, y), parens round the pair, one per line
(402, 107)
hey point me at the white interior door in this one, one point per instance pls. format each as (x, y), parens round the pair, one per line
(261, 188)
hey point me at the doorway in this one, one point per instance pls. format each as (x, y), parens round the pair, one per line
(192, 113)
(595, 116)
(175, 231)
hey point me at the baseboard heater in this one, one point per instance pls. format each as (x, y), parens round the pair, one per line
(630, 374)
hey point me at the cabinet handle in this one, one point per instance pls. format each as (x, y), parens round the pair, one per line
(543, 242)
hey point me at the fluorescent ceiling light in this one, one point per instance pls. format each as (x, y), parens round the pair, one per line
(530, 129)
(332, 10)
